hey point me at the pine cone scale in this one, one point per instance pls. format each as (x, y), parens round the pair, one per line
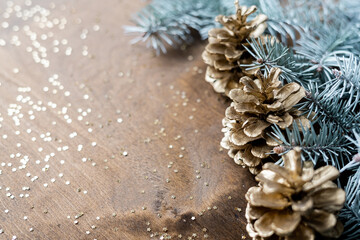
(248, 158)
(270, 141)
(321, 221)
(286, 91)
(238, 95)
(248, 107)
(329, 199)
(302, 233)
(264, 224)
(280, 223)
(258, 198)
(293, 99)
(321, 175)
(232, 54)
(255, 127)
(273, 187)
(261, 18)
(239, 138)
(219, 33)
(216, 48)
(261, 150)
(223, 65)
(275, 173)
(302, 206)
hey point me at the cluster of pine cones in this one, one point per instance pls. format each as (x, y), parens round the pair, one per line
(291, 202)
(257, 101)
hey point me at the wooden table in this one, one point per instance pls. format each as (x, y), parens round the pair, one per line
(103, 140)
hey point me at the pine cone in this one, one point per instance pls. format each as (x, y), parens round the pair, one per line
(294, 202)
(257, 104)
(225, 50)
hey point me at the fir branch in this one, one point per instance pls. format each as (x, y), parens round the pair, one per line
(355, 140)
(165, 22)
(171, 23)
(287, 21)
(351, 10)
(269, 54)
(354, 164)
(321, 106)
(346, 82)
(322, 46)
(328, 145)
(325, 34)
(350, 214)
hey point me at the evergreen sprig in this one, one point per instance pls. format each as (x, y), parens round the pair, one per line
(270, 53)
(165, 22)
(327, 145)
(321, 106)
(355, 163)
(346, 81)
(324, 45)
(289, 19)
(171, 23)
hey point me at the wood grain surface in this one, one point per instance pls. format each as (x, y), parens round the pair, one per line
(103, 140)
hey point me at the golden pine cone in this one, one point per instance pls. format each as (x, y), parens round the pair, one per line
(225, 50)
(294, 202)
(257, 104)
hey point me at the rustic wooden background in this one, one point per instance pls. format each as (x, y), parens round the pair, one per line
(103, 140)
